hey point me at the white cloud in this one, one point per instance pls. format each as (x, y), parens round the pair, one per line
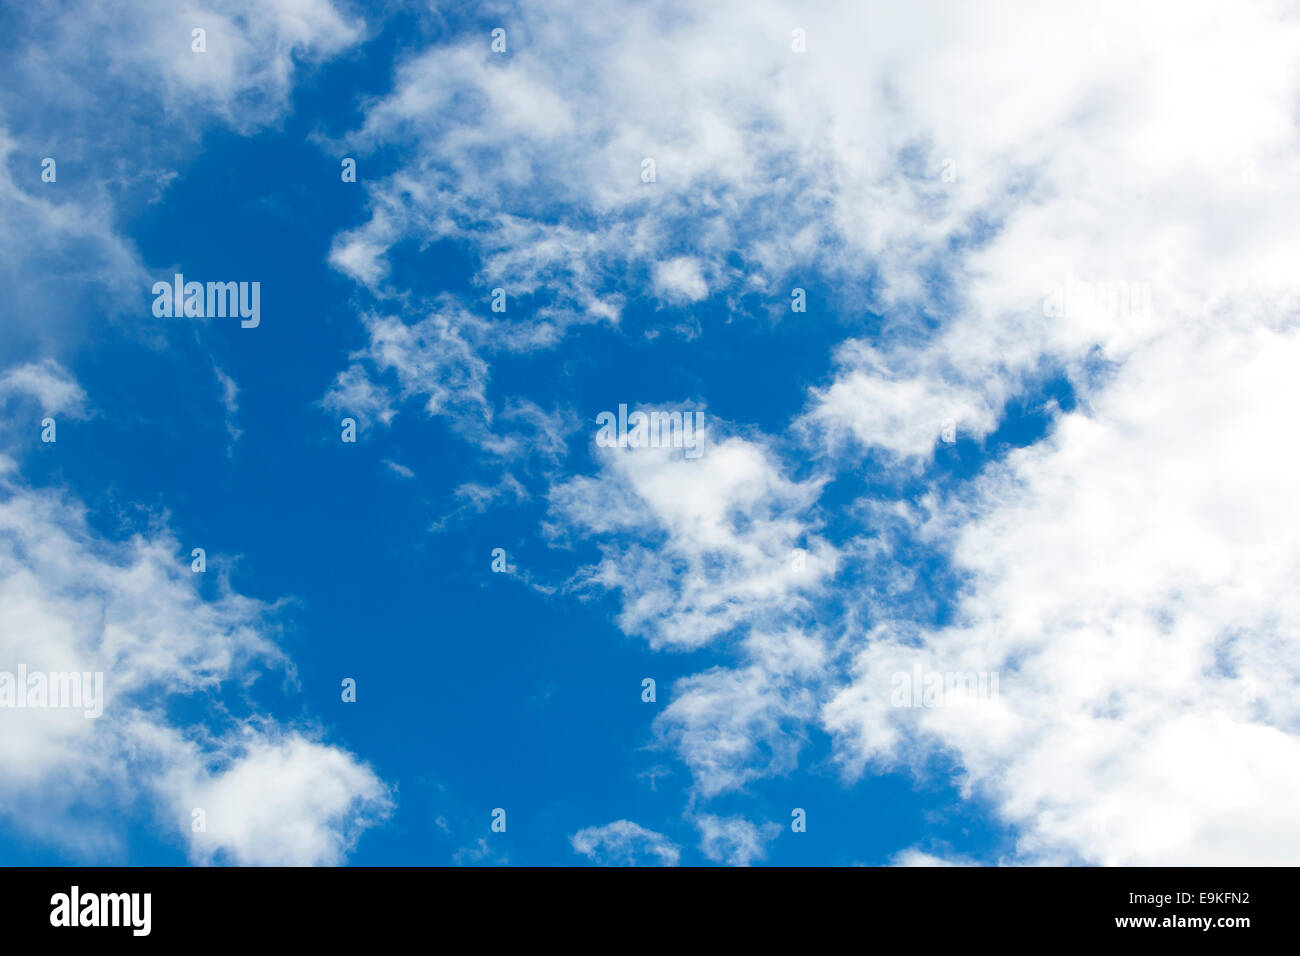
(51, 386)
(278, 801)
(71, 600)
(1129, 570)
(439, 360)
(699, 548)
(713, 540)
(434, 358)
(914, 857)
(1133, 585)
(481, 853)
(624, 843)
(734, 840)
(831, 163)
(230, 402)
(70, 237)
(398, 468)
(354, 395)
(734, 725)
(902, 411)
(679, 278)
(1129, 573)
(244, 76)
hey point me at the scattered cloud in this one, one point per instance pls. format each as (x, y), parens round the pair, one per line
(624, 843)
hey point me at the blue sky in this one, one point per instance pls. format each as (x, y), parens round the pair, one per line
(967, 470)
